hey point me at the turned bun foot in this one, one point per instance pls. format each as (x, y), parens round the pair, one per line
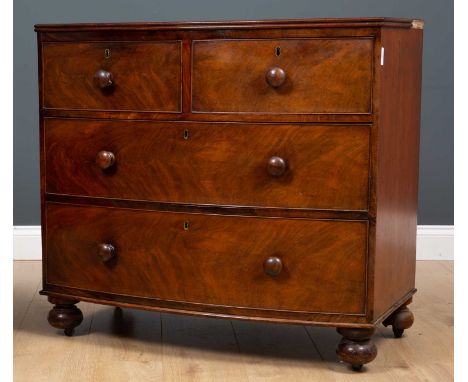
(65, 315)
(400, 320)
(69, 332)
(356, 347)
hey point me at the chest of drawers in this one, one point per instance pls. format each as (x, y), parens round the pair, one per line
(251, 170)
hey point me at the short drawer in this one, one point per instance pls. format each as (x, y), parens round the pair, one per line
(267, 263)
(272, 165)
(303, 76)
(119, 76)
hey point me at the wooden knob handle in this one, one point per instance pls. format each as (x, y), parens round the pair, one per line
(103, 78)
(276, 166)
(105, 159)
(106, 252)
(275, 77)
(272, 266)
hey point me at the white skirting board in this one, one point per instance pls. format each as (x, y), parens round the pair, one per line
(27, 242)
(434, 242)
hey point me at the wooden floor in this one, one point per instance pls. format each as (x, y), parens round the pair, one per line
(133, 345)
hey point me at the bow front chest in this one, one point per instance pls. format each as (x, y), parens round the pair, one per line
(251, 170)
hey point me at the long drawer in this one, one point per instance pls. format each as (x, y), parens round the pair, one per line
(276, 165)
(266, 263)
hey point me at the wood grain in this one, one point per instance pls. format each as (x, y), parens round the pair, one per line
(322, 76)
(262, 171)
(272, 352)
(205, 117)
(200, 349)
(211, 208)
(397, 158)
(218, 164)
(145, 76)
(232, 24)
(132, 338)
(129, 346)
(25, 288)
(217, 260)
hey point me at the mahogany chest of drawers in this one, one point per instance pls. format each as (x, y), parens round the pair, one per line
(252, 170)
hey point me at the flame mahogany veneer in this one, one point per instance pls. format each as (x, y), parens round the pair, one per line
(256, 170)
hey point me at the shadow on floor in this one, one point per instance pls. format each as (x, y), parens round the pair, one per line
(236, 338)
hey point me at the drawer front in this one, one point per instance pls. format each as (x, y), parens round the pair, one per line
(290, 166)
(282, 76)
(270, 263)
(143, 76)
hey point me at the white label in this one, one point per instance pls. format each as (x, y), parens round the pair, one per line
(382, 55)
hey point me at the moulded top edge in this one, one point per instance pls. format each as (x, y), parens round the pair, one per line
(235, 24)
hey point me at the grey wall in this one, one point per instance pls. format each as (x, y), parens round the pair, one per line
(436, 169)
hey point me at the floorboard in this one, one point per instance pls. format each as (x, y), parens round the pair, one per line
(131, 345)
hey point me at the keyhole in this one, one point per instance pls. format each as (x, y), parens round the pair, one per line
(186, 226)
(277, 51)
(106, 53)
(186, 134)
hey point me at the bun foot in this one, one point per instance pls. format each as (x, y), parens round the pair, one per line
(398, 333)
(356, 347)
(69, 332)
(400, 320)
(65, 315)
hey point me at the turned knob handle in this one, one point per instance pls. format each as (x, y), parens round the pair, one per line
(103, 78)
(275, 77)
(272, 266)
(105, 159)
(276, 166)
(106, 252)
